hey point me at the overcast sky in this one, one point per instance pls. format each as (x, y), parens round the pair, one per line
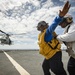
(21, 17)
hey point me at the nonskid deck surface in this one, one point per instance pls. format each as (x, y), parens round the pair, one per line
(24, 62)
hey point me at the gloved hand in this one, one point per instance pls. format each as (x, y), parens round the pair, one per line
(65, 9)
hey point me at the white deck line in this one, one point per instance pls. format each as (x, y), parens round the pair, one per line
(19, 68)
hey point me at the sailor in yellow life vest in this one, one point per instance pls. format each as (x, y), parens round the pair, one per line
(50, 46)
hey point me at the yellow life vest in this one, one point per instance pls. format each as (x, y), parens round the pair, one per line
(48, 49)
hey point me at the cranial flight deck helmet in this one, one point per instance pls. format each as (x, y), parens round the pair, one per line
(68, 19)
(42, 23)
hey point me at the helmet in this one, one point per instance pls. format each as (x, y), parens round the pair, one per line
(43, 23)
(68, 19)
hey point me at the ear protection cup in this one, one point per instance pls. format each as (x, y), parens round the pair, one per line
(69, 19)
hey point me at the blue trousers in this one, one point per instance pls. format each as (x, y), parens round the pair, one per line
(54, 64)
(71, 66)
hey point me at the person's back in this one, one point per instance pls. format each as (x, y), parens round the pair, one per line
(48, 49)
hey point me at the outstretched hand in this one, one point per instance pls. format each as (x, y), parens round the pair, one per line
(65, 9)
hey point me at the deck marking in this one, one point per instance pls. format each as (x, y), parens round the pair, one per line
(19, 68)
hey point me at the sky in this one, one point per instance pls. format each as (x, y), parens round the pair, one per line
(20, 18)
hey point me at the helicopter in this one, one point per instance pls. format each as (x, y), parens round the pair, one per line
(5, 39)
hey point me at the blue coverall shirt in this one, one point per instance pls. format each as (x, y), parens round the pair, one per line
(51, 28)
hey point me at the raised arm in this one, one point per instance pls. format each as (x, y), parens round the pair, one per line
(65, 9)
(57, 20)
